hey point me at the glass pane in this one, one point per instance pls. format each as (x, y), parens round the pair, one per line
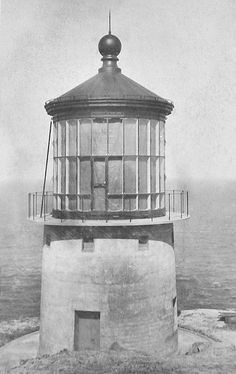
(158, 175)
(153, 163)
(99, 198)
(85, 137)
(61, 175)
(154, 138)
(130, 136)
(162, 139)
(162, 174)
(142, 175)
(55, 175)
(55, 202)
(61, 203)
(72, 176)
(130, 203)
(62, 138)
(78, 203)
(78, 175)
(55, 139)
(72, 202)
(154, 202)
(99, 172)
(115, 176)
(142, 136)
(85, 177)
(72, 137)
(115, 137)
(130, 175)
(85, 203)
(99, 137)
(114, 203)
(162, 201)
(142, 202)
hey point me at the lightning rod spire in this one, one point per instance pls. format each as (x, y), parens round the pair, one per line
(109, 22)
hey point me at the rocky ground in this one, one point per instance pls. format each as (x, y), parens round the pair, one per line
(213, 361)
(10, 330)
(215, 355)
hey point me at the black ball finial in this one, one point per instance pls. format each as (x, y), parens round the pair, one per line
(109, 45)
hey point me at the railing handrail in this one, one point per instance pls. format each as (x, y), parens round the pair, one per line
(175, 191)
(176, 205)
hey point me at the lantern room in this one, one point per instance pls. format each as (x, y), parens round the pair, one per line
(109, 146)
(109, 165)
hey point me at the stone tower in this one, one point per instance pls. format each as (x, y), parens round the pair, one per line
(108, 268)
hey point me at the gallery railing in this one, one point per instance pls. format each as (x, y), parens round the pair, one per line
(41, 206)
(177, 203)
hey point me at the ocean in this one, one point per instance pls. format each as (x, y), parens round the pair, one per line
(205, 247)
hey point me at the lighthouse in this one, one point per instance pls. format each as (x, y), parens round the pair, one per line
(108, 263)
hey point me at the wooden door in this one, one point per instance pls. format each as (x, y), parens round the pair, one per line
(87, 331)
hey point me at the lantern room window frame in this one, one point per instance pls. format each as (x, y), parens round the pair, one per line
(138, 149)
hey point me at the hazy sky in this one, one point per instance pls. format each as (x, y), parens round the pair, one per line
(183, 50)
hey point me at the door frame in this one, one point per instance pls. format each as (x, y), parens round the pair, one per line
(87, 314)
(99, 185)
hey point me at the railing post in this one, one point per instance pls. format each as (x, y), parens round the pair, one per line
(169, 204)
(29, 205)
(181, 204)
(183, 201)
(173, 201)
(129, 209)
(82, 208)
(61, 208)
(106, 205)
(36, 203)
(33, 206)
(187, 203)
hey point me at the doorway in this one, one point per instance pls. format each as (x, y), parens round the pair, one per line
(87, 331)
(99, 183)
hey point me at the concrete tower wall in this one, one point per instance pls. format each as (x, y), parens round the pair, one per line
(131, 285)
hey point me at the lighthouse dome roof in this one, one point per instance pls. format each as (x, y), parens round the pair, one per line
(109, 87)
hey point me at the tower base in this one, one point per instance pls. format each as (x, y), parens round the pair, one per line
(105, 293)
